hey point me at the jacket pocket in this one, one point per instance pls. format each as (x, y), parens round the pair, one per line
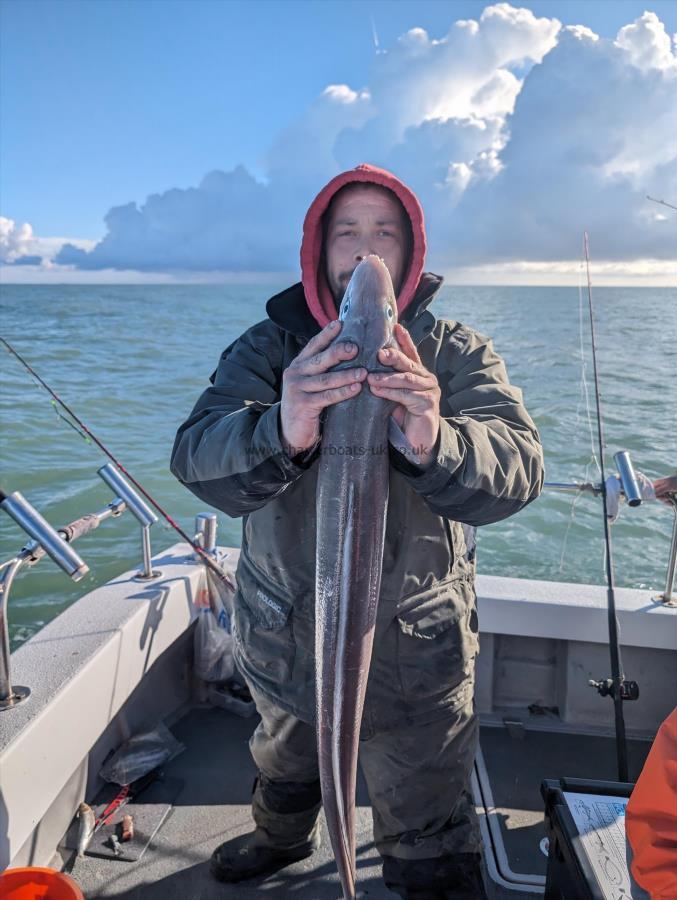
(262, 629)
(437, 642)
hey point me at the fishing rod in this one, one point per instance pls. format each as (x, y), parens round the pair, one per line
(87, 434)
(616, 687)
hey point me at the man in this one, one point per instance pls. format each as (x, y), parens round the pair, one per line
(651, 814)
(464, 452)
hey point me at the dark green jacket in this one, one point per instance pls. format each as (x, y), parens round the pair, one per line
(488, 465)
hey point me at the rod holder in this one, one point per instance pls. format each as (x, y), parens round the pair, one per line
(667, 597)
(206, 527)
(141, 512)
(27, 517)
(633, 495)
(38, 528)
(10, 695)
(626, 473)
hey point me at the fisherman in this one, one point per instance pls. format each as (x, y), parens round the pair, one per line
(463, 452)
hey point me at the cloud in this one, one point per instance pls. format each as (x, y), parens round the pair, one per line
(462, 80)
(592, 133)
(19, 246)
(647, 43)
(229, 222)
(15, 240)
(516, 132)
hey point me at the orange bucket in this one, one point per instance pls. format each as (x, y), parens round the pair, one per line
(36, 884)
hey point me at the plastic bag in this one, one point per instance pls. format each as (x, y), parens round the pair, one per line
(140, 754)
(213, 642)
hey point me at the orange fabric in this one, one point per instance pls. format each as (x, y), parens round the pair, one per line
(315, 286)
(651, 817)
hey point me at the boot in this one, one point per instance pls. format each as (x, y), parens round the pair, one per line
(457, 877)
(287, 830)
(251, 854)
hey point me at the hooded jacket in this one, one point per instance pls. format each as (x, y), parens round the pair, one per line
(318, 296)
(487, 465)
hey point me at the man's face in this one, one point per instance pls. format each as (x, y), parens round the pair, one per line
(364, 219)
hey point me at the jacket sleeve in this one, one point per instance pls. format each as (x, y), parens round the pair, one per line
(229, 451)
(488, 459)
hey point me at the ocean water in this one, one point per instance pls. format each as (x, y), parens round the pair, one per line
(132, 361)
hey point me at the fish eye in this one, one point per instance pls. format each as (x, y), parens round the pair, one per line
(344, 310)
(389, 311)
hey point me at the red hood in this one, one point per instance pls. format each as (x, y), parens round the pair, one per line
(318, 295)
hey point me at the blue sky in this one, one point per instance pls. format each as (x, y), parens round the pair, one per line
(105, 103)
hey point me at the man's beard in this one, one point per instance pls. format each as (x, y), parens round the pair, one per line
(338, 290)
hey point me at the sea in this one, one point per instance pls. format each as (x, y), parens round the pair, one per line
(132, 360)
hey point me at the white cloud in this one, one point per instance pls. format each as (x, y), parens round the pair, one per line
(464, 76)
(20, 246)
(515, 131)
(15, 240)
(591, 135)
(647, 43)
(582, 32)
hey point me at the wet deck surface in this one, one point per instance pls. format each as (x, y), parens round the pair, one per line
(216, 774)
(212, 807)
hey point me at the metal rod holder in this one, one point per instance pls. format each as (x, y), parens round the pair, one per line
(626, 473)
(667, 597)
(141, 512)
(29, 519)
(631, 491)
(206, 527)
(50, 542)
(10, 695)
(147, 573)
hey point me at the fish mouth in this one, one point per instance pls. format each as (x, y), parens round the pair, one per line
(372, 259)
(356, 364)
(380, 367)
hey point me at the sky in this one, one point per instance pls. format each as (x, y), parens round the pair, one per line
(163, 140)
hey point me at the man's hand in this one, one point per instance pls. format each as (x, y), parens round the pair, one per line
(415, 389)
(665, 487)
(307, 387)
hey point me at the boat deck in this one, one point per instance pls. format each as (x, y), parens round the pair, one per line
(209, 785)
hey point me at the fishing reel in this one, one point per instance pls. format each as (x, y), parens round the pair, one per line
(607, 688)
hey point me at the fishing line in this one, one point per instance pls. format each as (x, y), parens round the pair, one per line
(584, 382)
(79, 426)
(572, 516)
(583, 394)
